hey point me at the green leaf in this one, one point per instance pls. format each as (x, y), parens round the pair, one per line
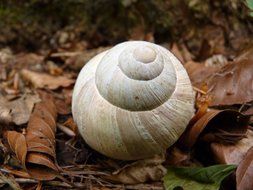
(250, 4)
(197, 178)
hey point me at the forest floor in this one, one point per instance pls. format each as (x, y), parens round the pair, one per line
(35, 97)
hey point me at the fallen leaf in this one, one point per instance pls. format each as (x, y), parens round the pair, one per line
(226, 126)
(71, 153)
(140, 171)
(249, 112)
(177, 157)
(43, 80)
(28, 59)
(198, 178)
(199, 72)
(232, 154)
(175, 50)
(181, 52)
(17, 111)
(233, 84)
(244, 172)
(36, 149)
(62, 107)
(10, 180)
(71, 124)
(78, 60)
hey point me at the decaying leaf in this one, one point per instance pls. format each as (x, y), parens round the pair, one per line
(226, 126)
(10, 180)
(228, 83)
(36, 149)
(43, 80)
(198, 178)
(17, 111)
(244, 172)
(232, 154)
(62, 107)
(78, 60)
(140, 171)
(233, 84)
(177, 157)
(199, 72)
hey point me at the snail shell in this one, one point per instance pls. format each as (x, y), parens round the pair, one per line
(132, 101)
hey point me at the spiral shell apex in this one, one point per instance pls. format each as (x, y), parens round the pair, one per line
(132, 101)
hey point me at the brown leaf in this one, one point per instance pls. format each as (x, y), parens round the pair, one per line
(181, 52)
(233, 84)
(140, 171)
(71, 124)
(62, 107)
(38, 154)
(244, 172)
(232, 154)
(17, 111)
(78, 60)
(10, 180)
(17, 144)
(199, 72)
(177, 157)
(42, 80)
(226, 126)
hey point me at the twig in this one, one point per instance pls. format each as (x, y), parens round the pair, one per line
(66, 130)
(65, 54)
(198, 90)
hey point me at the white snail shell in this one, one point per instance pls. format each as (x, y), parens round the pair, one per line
(132, 101)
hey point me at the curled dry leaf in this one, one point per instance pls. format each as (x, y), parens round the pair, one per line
(244, 172)
(140, 171)
(42, 80)
(226, 126)
(17, 111)
(36, 149)
(232, 154)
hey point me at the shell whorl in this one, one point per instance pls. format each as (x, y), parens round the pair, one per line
(132, 101)
(139, 76)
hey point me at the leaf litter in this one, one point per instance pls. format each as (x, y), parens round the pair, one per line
(47, 140)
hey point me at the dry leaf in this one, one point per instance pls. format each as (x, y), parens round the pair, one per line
(62, 107)
(17, 111)
(140, 171)
(226, 126)
(43, 80)
(181, 52)
(233, 84)
(78, 60)
(199, 72)
(244, 172)
(177, 157)
(10, 180)
(27, 59)
(36, 149)
(229, 83)
(232, 154)
(71, 124)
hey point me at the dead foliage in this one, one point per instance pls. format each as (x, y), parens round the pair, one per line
(36, 148)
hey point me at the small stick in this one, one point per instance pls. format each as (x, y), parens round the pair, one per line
(64, 54)
(199, 90)
(66, 130)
